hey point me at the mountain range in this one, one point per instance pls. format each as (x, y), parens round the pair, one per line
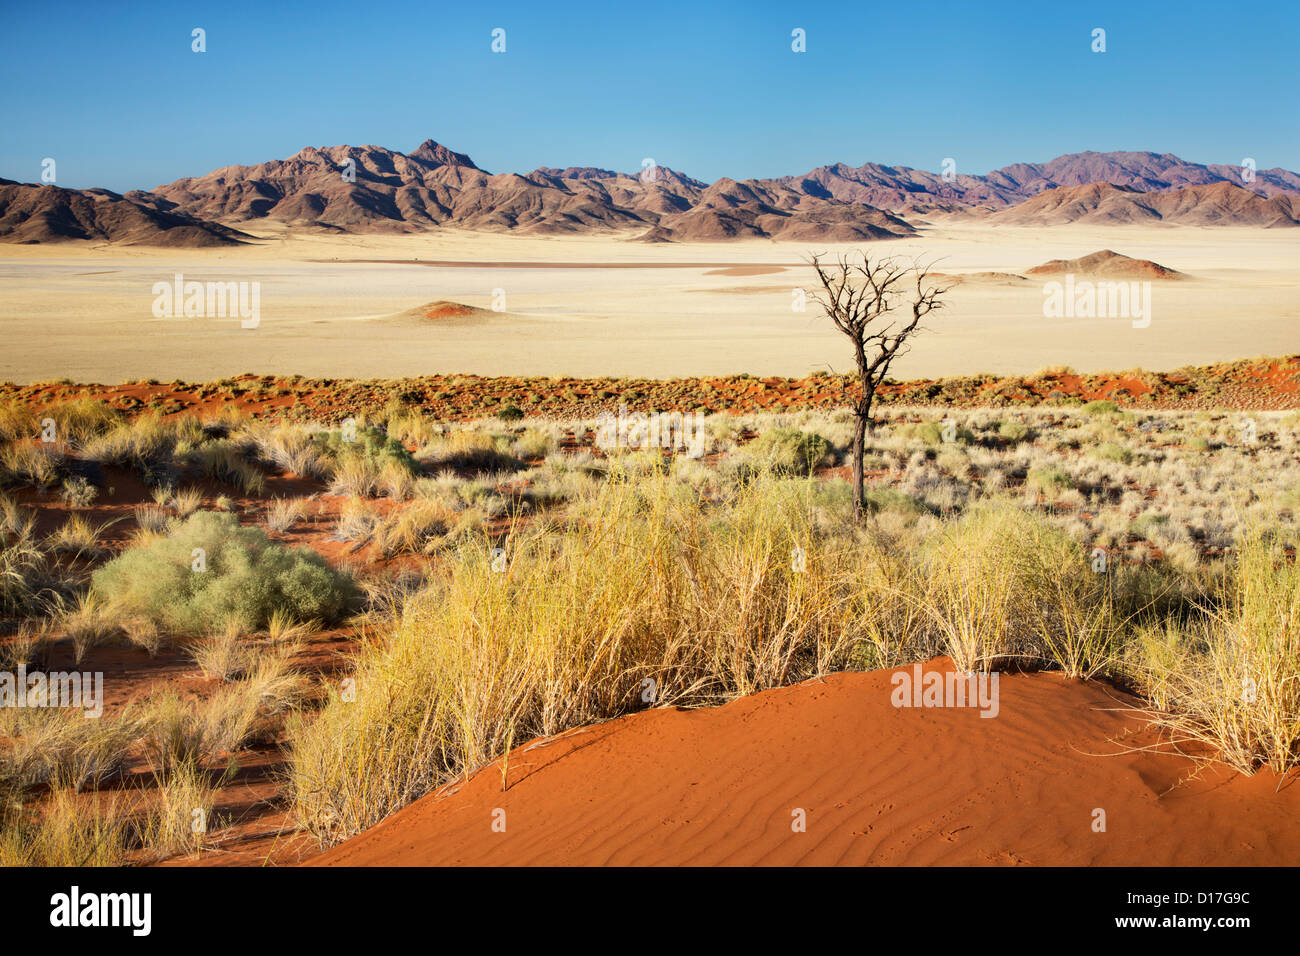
(370, 188)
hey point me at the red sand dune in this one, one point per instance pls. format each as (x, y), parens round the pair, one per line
(443, 310)
(879, 785)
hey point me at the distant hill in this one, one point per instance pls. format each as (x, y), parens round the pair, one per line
(370, 188)
(1102, 203)
(902, 188)
(37, 214)
(373, 189)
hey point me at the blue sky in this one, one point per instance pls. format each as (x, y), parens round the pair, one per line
(115, 95)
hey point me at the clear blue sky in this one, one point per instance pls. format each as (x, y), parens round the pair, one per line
(113, 92)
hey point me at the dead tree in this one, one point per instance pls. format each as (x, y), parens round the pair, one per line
(859, 298)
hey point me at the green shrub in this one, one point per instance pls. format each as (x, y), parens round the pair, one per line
(1109, 451)
(371, 444)
(247, 578)
(510, 413)
(879, 498)
(1100, 407)
(1049, 481)
(1145, 524)
(789, 450)
(1014, 431)
(931, 433)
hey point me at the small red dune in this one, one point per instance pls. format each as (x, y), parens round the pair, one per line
(873, 783)
(446, 310)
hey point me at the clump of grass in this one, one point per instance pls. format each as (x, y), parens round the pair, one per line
(284, 513)
(66, 831)
(143, 632)
(1049, 481)
(88, 623)
(78, 536)
(1110, 451)
(357, 520)
(1013, 432)
(1099, 408)
(152, 519)
(58, 747)
(533, 444)
(1231, 678)
(356, 477)
(17, 422)
(414, 529)
(881, 498)
(182, 817)
(291, 448)
(212, 569)
(187, 501)
(789, 451)
(147, 444)
(568, 629)
(76, 423)
(976, 585)
(225, 462)
(472, 451)
(23, 569)
(36, 465)
(78, 492)
(224, 655)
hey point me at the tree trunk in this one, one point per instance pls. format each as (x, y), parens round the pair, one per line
(859, 448)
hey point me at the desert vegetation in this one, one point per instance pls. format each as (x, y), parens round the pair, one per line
(373, 606)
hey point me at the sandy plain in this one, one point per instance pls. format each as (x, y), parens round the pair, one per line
(331, 305)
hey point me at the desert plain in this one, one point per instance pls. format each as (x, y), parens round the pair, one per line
(342, 305)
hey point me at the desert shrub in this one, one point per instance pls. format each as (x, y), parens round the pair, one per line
(510, 413)
(789, 451)
(1100, 407)
(1050, 481)
(371, 445)
(78, 492)
(1109, 451)
(1013, 432)
(880, 498)
(247, 578)
(932, 433)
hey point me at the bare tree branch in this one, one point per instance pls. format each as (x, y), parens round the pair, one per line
(858, 297)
